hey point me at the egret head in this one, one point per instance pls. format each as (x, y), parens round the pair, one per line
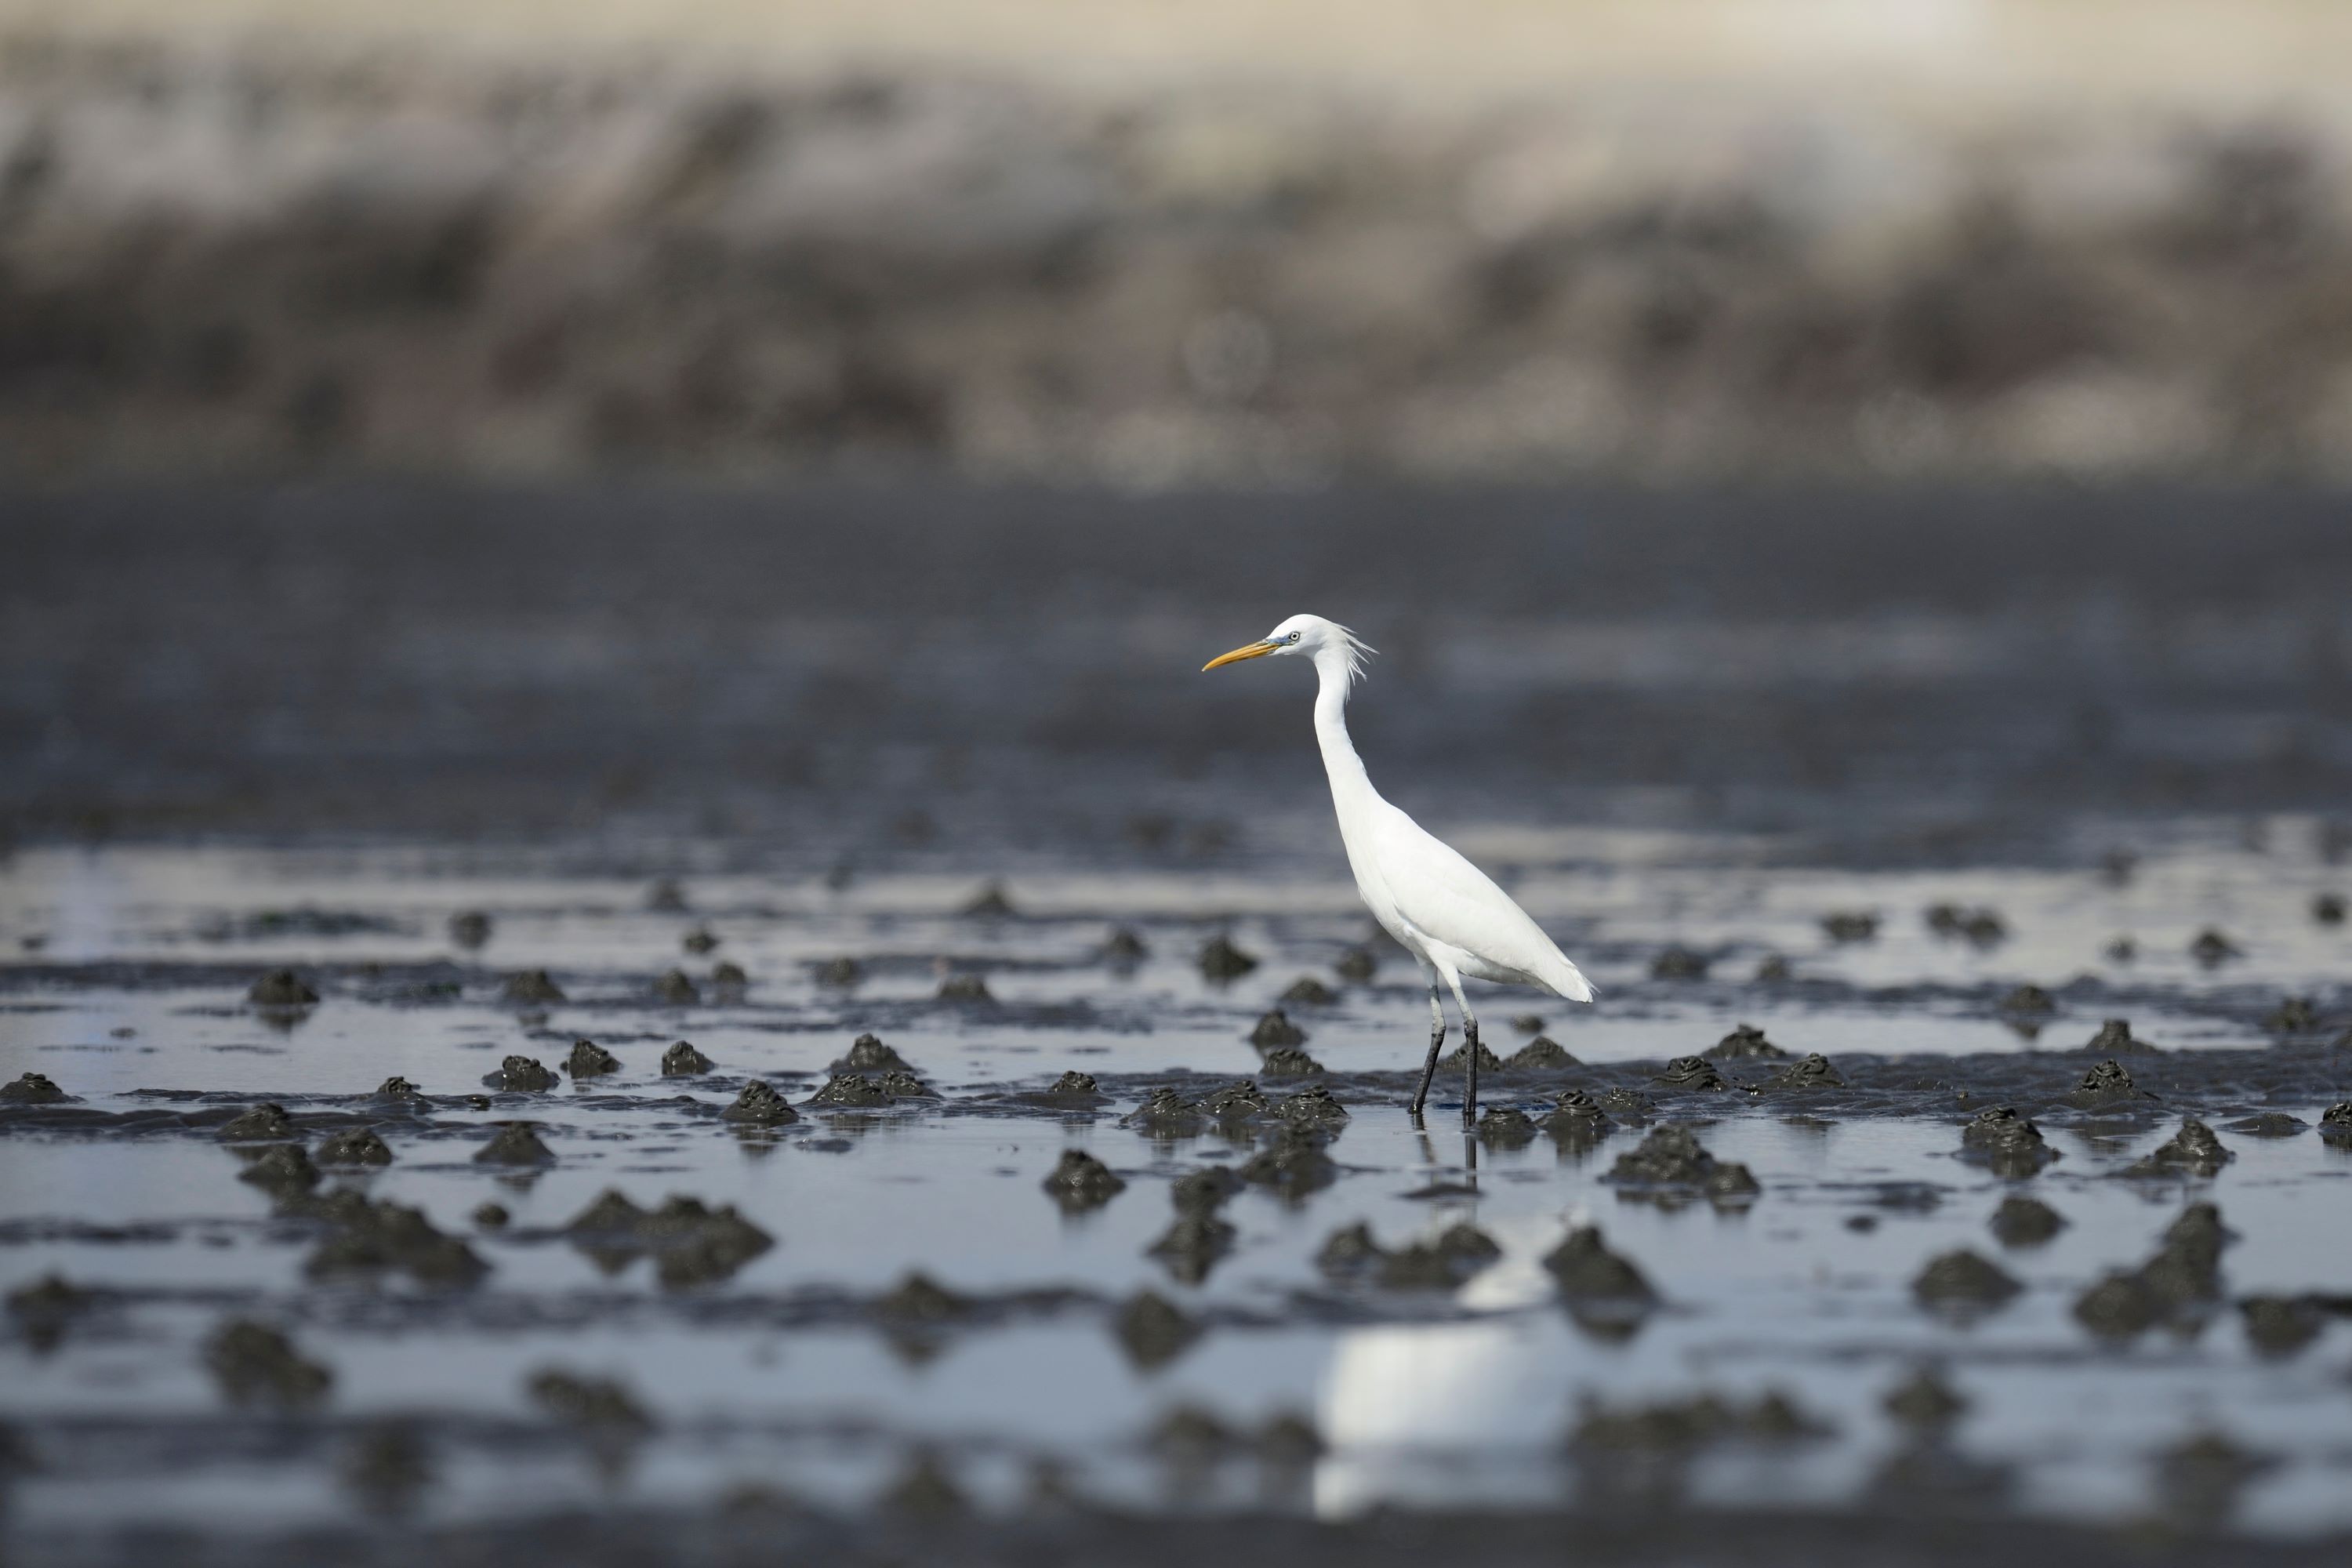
(1311, 635)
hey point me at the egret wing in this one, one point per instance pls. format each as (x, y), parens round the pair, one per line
(1437, 889)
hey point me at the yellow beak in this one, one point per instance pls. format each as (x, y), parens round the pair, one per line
(1251, 650)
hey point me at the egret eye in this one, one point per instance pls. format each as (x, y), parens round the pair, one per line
(1294, 637)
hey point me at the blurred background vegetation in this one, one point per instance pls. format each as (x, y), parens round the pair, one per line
(1246, 242)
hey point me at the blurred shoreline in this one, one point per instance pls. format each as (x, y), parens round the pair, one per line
(1955, 58)
(218, 256)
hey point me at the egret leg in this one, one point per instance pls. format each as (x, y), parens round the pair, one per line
(1436, 1044)
(1469, 1051)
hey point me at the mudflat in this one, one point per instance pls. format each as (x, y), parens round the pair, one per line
(673, 1020)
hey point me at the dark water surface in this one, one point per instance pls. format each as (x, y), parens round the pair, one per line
(304, 730)
(956, 677)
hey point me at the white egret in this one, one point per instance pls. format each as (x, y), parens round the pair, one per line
(1443, 911)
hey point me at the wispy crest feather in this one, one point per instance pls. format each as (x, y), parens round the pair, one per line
(1361, 654)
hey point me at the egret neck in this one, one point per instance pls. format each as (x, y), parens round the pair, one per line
(1351, 787)
(1353, 799)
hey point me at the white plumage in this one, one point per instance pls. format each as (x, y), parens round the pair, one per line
(1446, 911)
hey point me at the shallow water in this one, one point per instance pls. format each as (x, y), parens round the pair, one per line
(128, 989)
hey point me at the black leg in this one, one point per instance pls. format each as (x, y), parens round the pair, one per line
(1470, 1051)
(1429, 1068)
